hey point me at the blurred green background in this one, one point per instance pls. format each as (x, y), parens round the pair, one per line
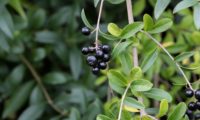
(44, 76)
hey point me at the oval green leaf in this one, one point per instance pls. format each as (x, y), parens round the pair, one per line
(141, 85)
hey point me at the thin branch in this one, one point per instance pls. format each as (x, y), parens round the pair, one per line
(122, 101)
(98, 22)
(170, 56)
(135, 62)
(38, 80)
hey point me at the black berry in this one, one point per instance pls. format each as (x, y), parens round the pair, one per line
(106, 57)
(95, 70)
(189, 93)
(102, 65)
(85, 50)
(192, 106)
(197, 116)
(189, 113)
(197, 94)
(198, 105)
(92, 60)
(91, 49)
(106, 48)
(99, 54)
(85, 31)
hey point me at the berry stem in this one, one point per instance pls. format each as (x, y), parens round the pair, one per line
(135, 63)
(98, 23)
(170, 56)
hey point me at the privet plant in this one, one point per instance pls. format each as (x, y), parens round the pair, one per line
(147, 52)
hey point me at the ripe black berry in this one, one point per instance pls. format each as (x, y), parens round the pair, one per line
(106, 48)
(85, 30)
(85, 50)
(92, 60)
(95, 70)
(198, 105)
(106, 57)
(91, 49)
(189, 93)
(192, 106)
(102, 65)
(99, 54)
(189, 113)
(197, 116)
(197, 94)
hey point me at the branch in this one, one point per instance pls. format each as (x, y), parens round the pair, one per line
(170, 56)
(38, 80)
(135, 62)
(97, 26)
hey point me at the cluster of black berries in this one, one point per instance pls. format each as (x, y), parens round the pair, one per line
(97, 58)
(193, 106)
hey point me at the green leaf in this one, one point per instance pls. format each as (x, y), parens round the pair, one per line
(96, 3)
(196, 16)
(115, 1)
(55, 78)
(131, 29)
(136, 73)
(148, 22)
(149, 60)
(17, 75)
(16, 4)
(183, 56)
(18, 99)
(39, 54)
(146, 117)
(119, 48)
(139, 7)
(114, 30)
(158, 94)
(163, 108)
(36, 96)
(141, 85)
(33, 112)
(103, 117)
(161, 26)
(75, 63)
(108, 37)
(6, 23)
(184, 4)
(117, 78)
(117, 88)
(4, 45)
(47, 37)
(85, 21)
(131, 102)
(126, 62)
(37, 18)
(178, 112)
(161, 5)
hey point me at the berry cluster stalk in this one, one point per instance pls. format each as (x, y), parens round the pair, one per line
(170, 56)
(135, 62)
(98, 22)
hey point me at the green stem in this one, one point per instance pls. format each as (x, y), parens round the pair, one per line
(170, 56)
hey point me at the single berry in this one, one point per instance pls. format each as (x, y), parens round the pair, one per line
(192, 106)
(91, 49)
(106, 57)
(189, 93)
(95, 71)
(85, 50)
(92, 60)
(198, 105)
(106, 48)
(99, 54)
(102, 65)
(85, 31)
(197, 116)
(189, 113)
(197, 94)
